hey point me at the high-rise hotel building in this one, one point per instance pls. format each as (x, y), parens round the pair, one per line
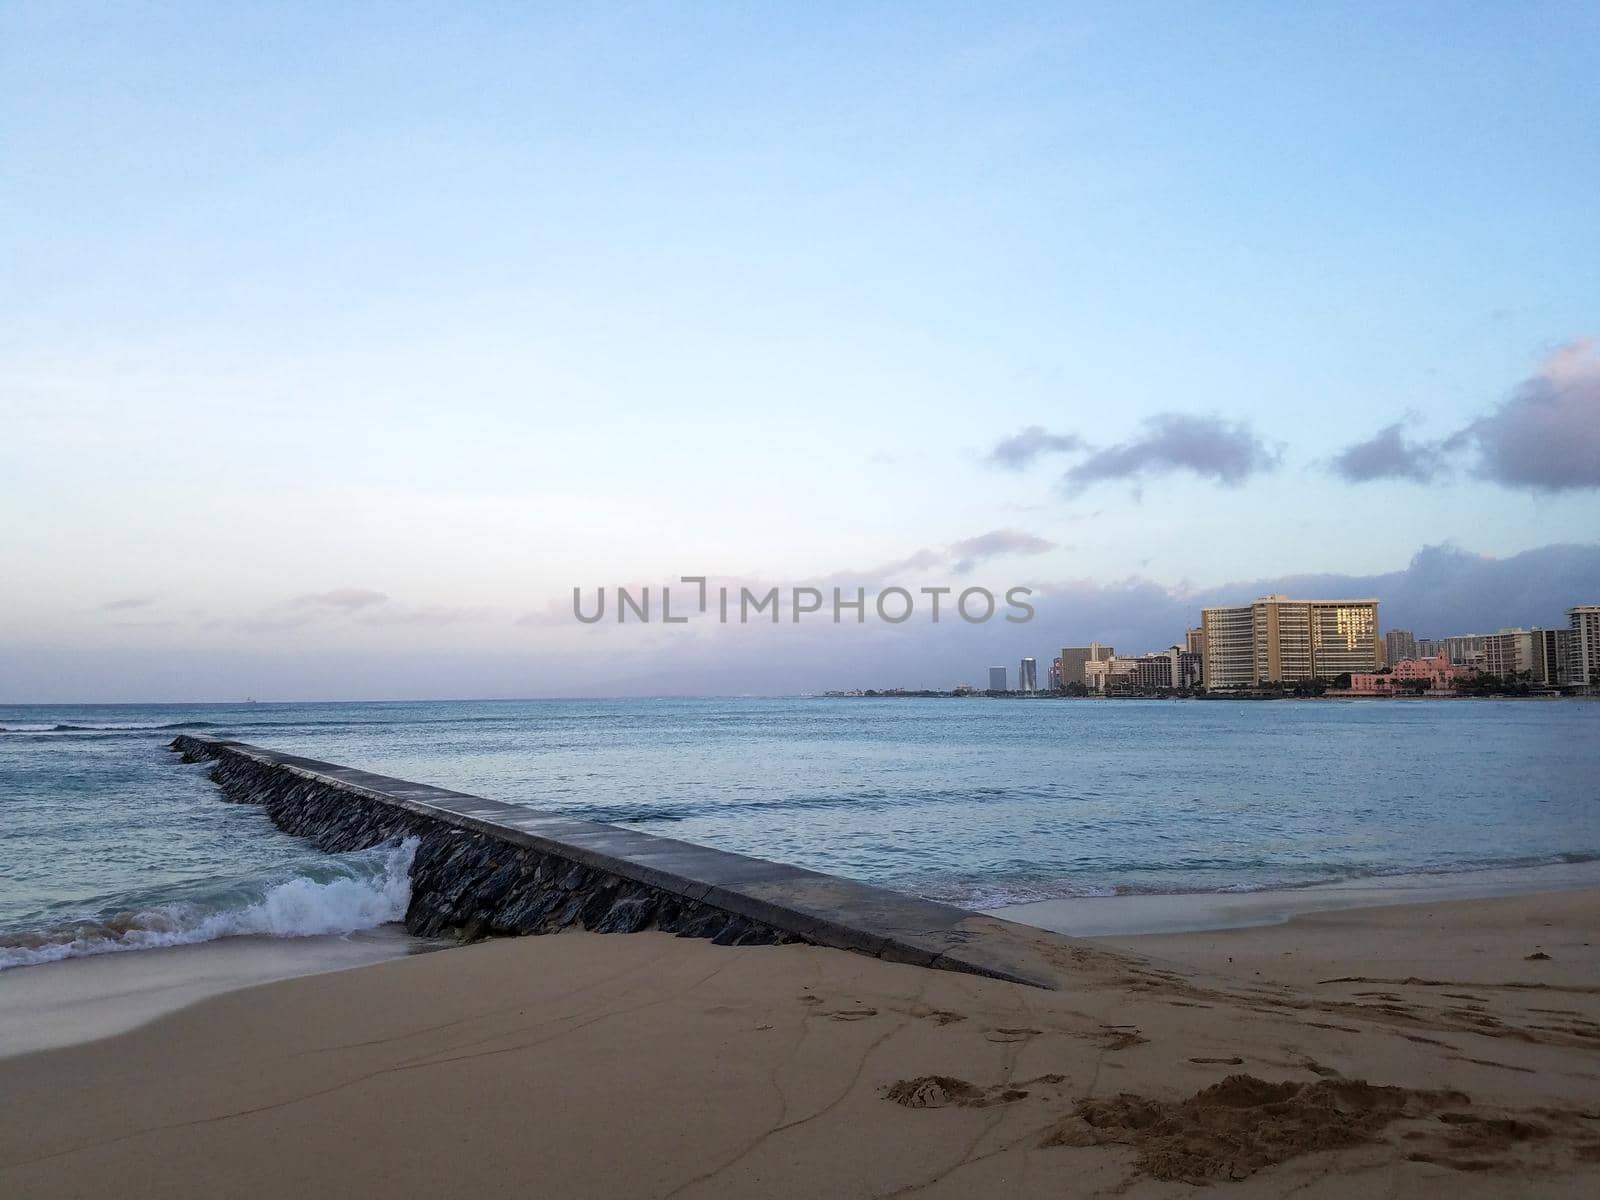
(1538, 656)
(1279, 639)
(1583, 662)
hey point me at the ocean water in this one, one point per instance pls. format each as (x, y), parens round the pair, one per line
(108, 843)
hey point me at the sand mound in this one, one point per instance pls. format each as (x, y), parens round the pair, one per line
(1234, 1128)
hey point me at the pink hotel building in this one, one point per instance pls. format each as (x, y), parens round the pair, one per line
(1439, 673)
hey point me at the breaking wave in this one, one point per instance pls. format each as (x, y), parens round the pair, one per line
(63, 727)
(341, 894)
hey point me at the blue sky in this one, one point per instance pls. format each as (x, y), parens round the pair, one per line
(466, 305)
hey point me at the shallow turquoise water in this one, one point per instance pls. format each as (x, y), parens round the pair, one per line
(107, 842)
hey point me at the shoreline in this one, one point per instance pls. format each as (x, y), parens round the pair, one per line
(77, 1000)
(1200, 912)
(1444, 1050)
(892, 694)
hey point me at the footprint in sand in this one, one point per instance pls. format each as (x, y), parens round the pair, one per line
(1486, 1062)
(940, 1017)
(1115, 1037)
(1426, 1041)
(1010, 1035)
(853, 1014)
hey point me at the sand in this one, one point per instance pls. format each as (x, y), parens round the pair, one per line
(1426, 1050)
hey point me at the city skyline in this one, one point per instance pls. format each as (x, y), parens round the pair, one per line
(1441, 588)
(1282, 639)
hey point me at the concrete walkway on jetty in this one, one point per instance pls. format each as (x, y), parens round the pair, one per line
(651, 881)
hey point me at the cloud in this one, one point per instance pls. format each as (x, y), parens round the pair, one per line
(432, 615)
(1207, 446)
(345, 599)
(128, 602)
(921, 560)
(1020, 449)
(1388, 455)
(958, 557)
(970, 551)
(1546, 435)
(346, 605)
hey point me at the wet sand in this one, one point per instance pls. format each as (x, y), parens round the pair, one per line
(1100, 916)
(80, 999)
(1445, 1049)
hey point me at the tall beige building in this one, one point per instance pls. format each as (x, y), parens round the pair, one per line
(1538, 655)
(1583, 662)
(1279, 639)
(1230, 646)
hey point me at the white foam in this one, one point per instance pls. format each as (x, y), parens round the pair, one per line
(298, 907)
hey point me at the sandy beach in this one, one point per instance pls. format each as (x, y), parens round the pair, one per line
(1427, 1050)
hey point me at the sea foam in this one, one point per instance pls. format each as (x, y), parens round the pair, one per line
(373, 889)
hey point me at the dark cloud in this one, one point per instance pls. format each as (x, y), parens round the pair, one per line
(1546, 436)
(1020, 449)
(127, 603)
(1443, 590)
(970, 551)
(1446, 590)
(345, 599)
(1388, 455)
(1207, 446)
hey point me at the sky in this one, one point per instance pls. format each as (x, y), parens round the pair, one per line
(339, 344)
